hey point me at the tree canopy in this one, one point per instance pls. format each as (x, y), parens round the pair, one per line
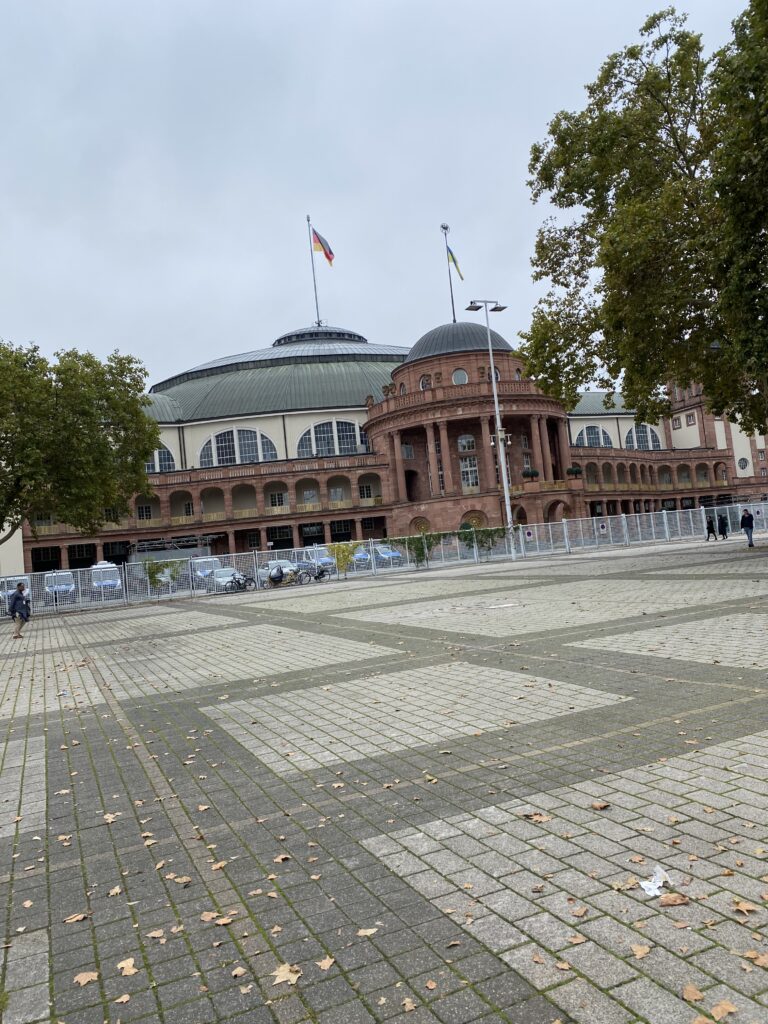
(74, 437)
(659, 276)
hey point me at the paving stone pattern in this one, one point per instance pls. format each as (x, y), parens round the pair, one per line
(423, 798)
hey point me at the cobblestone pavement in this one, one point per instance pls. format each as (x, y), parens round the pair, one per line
(417, 798)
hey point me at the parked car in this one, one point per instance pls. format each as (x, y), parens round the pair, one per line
(106, 581)
(8, 586)
(386, 556)
(202, 572)
(219, 578)
(59, 587)
(308, 558)
(362, 558)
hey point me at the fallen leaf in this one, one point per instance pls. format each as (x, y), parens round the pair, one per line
(208, 915)
(218, 865)
(722, 1009)
(27, 904)
(158, 933)
(74, 918)
(537, 958)
(538, 817)
(576, 940)
(325, 963)
(743, 907)
(579, 911)
(431, 985)
(691, 994)
(289, 973)
(640, 951)
(281, 858)
(239, 972)
(673, 899)
(600, 805)
(124, 998)
(367, 931)
(563, 965)
(221, 921)
(203, 807)
(408, 1004)
(115, 892)
(85, 978)
(126, 967)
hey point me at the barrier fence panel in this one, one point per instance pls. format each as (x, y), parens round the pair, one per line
(105, 585)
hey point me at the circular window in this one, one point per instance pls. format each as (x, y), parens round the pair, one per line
(743, 463)
(425, 382)
(460, 376)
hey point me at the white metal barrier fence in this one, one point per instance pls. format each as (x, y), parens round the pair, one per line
(137, 582)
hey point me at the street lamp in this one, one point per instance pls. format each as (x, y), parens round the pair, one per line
(492, 306)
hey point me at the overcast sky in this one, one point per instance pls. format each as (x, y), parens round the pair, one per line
(159, 157)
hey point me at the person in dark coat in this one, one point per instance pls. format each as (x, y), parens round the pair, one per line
(722, 526)
(747, 524)
(18, 609)
(711, 528)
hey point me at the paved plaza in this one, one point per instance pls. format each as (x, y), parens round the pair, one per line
(439, 796)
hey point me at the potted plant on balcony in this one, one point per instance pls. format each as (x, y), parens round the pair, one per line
(574, 471)
(530, 474)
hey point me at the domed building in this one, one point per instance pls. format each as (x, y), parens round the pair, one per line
(323, 437)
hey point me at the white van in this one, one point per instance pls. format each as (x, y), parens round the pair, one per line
(106, 580)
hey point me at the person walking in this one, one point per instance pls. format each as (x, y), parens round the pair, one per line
(711, 528)
(18, 609)
(748, 524)
(722, 526)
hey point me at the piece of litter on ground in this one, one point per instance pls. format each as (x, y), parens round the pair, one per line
(653, 885)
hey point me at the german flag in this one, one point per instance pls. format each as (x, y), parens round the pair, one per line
(319, 244)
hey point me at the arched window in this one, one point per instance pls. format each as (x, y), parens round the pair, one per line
(593, 437)
(160, 461)
(643, 438)
(460, 376)
(402, 389)
(496, 374)
(425, 382)
(333, 437)
(466, 443)
(518, 374)
(237, 446)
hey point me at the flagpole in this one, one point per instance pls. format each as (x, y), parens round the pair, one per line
(445, 229)
(314, 278)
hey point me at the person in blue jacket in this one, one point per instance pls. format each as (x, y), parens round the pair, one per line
(18, 609)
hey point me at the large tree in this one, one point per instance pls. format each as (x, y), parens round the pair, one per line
(74, 437)
(668, 220)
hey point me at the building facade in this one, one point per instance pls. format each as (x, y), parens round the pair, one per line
(323, 437)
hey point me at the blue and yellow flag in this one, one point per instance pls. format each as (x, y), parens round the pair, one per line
(452, 259)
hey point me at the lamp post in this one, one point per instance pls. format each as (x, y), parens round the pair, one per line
(490, 305)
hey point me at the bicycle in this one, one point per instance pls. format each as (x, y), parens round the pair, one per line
(239, 582)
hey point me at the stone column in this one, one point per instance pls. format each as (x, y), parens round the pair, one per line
(564, 448)
(488, 480)
(538, 458)
(165, 506)
(232, 545)
(399, 470)
(227, 491)
(99, 550)
(295, 537)
(446, 457)
(546, 450)
(64, 556)
(434, 476)
(358, 530)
